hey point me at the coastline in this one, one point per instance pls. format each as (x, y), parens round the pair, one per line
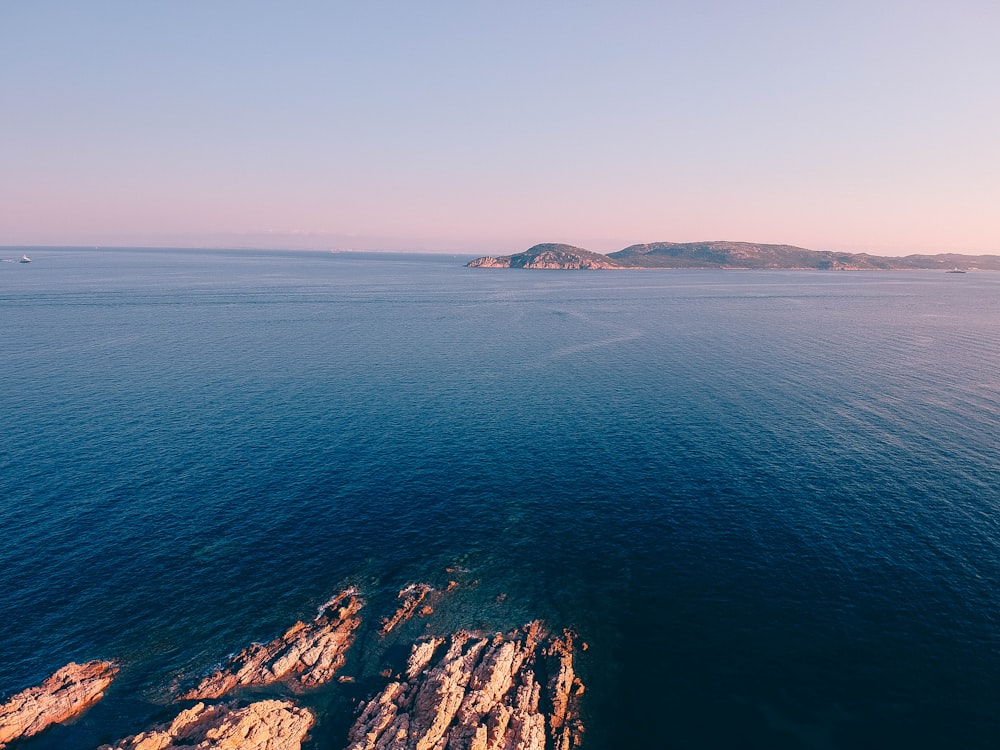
(481, 689)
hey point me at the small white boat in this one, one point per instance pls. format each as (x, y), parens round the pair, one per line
(955, 270)
(25, 259)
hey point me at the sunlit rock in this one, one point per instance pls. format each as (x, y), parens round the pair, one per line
(479, 692)
(265, 725)
(63, 696)
(306, 656)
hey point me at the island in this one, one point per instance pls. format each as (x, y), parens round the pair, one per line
(726, 255)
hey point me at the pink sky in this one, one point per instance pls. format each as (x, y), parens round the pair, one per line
(488, 129)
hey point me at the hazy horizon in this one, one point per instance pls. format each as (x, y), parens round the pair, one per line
(475, 129)
(390, 246)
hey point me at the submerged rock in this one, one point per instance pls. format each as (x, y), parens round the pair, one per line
(412, 597)
(306, 656)
(482, 693)
(63, 696)
(265, 725)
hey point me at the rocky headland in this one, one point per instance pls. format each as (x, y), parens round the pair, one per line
(476, 690)
(726, 255)
(63, 696)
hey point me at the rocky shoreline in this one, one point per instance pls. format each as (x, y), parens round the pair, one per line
(304, 657)
(479, 692)
(464, 689)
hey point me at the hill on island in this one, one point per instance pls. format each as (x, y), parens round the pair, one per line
(549, 255)
(727, 255)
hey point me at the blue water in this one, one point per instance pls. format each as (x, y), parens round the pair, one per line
(768, 501)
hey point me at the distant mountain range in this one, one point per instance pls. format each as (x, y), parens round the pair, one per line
(730, 255)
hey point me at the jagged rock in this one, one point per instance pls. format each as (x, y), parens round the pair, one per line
(412, 596)
(265, 725)
(483, 693)
(564, 690)
(64, 695)
(305, 656)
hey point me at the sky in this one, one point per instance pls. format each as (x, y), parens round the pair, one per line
(488, 127)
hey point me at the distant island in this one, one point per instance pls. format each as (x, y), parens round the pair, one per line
(727, 255)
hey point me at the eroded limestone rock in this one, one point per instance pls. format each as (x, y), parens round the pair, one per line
(265, 725)
(64, 695)
(481, 693)
(306, 656)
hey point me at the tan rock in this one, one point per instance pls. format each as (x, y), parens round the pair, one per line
(305, 656)
(421, 656)
(478, 692)
(265, 725)
(64, 695)
(564, 690)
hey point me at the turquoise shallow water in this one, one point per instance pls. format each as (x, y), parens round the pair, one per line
(767, 500)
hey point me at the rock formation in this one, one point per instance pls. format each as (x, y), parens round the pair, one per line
(64, 695)
(412, 596)
(482, 693)
(564, 691)
(265, 725)
(305, 656)
(474, 691)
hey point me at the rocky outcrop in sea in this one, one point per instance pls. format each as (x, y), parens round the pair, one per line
(63, 696)
(473, 690)
(411, 597)
(265, 725)
(482, 692)
(307, 655)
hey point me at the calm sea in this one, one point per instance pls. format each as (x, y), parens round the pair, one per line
(768, 501)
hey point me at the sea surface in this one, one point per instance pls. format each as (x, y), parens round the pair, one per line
(769, 501)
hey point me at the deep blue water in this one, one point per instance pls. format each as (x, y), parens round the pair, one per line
(768, 501)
